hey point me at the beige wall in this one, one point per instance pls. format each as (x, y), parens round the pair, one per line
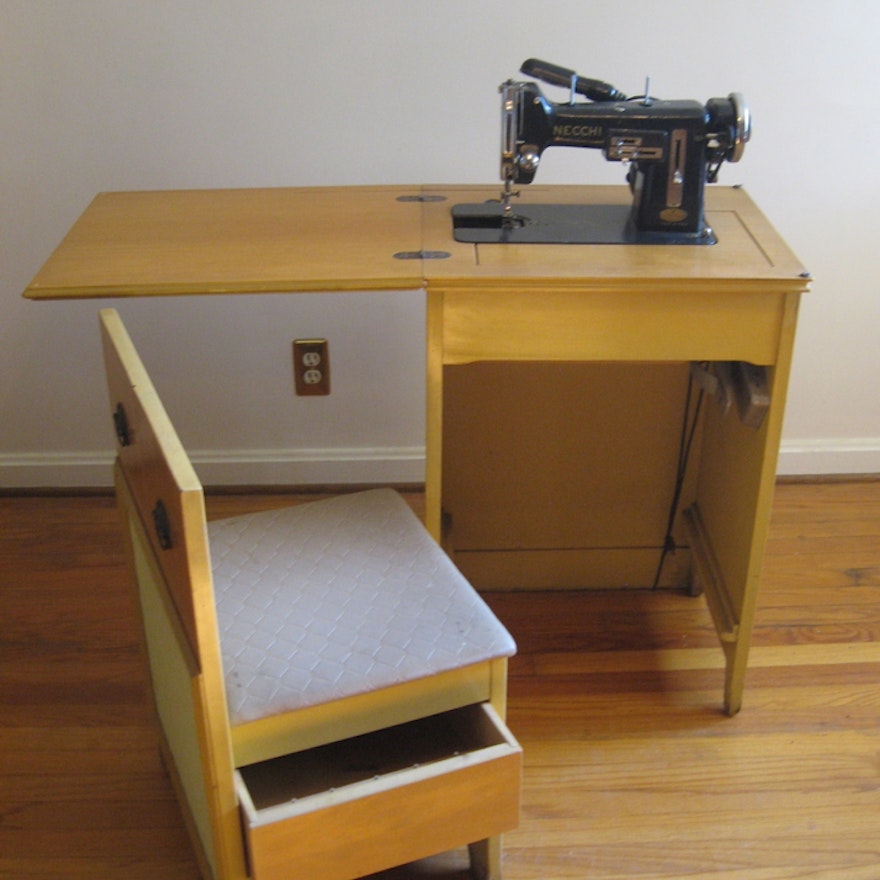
(123, 94)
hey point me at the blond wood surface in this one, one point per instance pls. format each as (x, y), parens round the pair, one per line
(346, 238)
(170, 567)
(171, 576)
(443, 786)
(631, 770)
(512, 306)
(184, 714)
(235, 241)
(644, 322)
(288, 732)
(157, 468)
(730, 301)
(748, 247)
(736, 300)
(594, 451)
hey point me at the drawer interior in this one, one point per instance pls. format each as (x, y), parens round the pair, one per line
(418, 743)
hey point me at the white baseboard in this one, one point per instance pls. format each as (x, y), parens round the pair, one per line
(388, 465)
(251, 467)
(829, 456)
(56, 470)
(310, 467)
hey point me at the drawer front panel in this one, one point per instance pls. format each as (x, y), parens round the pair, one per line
(660, 323)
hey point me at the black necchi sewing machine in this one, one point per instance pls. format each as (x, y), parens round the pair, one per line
(672, 149)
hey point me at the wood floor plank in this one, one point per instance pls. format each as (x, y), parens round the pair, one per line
(631, 768)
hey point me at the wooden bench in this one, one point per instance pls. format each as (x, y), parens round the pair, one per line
(329, 690)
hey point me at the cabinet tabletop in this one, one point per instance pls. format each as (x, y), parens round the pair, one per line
(156, 243)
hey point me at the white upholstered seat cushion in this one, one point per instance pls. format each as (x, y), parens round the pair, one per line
(332, 598)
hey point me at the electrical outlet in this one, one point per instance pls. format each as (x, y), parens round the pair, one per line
(311, 366)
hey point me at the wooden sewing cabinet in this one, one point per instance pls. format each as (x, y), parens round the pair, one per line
(557, 375)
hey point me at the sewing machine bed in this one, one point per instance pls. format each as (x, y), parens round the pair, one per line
(560, 224)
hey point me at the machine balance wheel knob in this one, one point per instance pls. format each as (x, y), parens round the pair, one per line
(742, 127)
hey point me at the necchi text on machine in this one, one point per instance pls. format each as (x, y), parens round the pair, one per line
(671, 148)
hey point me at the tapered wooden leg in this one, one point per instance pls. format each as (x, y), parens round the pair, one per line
(486, 859)
(434, 425)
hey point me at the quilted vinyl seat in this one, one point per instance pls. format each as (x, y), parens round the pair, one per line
(330, 599)
(329, 690)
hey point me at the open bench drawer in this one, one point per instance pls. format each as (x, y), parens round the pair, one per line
(383, 799)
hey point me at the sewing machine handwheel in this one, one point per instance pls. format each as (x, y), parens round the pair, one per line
(743, 127)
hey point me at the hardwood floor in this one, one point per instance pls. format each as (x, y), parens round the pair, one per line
(631, 769)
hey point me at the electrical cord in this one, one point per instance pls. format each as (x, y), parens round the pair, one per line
(688, 430)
